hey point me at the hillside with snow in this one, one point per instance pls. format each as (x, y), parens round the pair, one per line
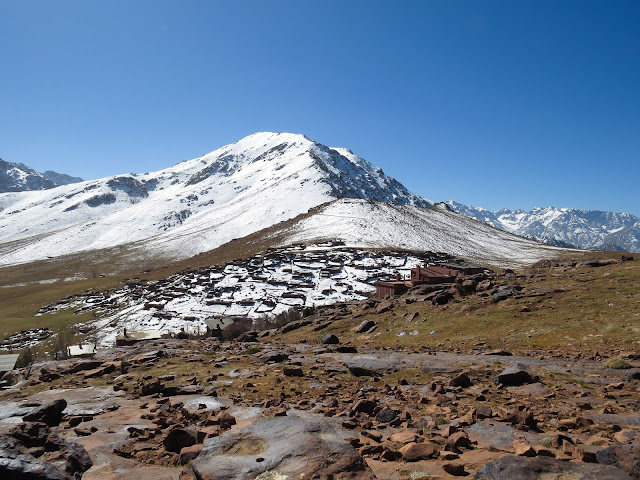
(194, 206)
(367, 224)
(565, 227)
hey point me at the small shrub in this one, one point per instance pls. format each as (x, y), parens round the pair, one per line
(546, 442)
(617, 364)
(308, 311)
(25, 358)
(252, 350)
(442, 421)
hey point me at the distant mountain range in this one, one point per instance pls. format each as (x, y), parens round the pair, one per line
(17, 177)
(281, 188)
(564, 227)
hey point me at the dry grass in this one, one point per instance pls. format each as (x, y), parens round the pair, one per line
(598, 309)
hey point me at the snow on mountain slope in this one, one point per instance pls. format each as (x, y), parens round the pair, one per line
(17, 177)
(193, 206)
(366, 224)
(586, 229)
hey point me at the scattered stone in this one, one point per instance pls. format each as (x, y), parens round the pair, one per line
(460, 380)
(455, 469)
(365, 326)
(293, 372)
(523, 448)
(404, 436)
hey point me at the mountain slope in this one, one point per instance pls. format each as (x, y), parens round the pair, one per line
(568, 227)
(437, 229)
(195, 205)
(17, 177)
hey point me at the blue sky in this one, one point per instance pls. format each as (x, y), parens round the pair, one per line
(491, 103)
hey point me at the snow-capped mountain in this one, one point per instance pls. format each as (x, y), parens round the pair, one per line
(565, 227)
(17, 177)
(195, 205)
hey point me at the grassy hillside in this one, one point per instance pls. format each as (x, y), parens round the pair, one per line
(581, 309)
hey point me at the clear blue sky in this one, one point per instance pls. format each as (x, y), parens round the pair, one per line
(491, 103)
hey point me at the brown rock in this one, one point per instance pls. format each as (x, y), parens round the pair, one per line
(523, 448)
(292, 372)
(189, 453)
(178, 438)
(404, 436)
(455, 469)
(457, 441)
(414, 452)
(384, 307)
(461, 380)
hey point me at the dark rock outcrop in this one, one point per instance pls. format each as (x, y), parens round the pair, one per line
(31, 452)
(538, 468)
(49, 414)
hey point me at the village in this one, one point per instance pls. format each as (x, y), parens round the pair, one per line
(209, 299)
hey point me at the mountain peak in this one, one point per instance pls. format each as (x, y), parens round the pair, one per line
(254, 183)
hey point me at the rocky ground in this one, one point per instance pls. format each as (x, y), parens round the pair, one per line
(341, 394)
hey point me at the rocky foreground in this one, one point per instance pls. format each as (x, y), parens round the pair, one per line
(205, 409)
(516, 376)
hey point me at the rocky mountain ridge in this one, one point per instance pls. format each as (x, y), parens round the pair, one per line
(564, 227)
(17, 177)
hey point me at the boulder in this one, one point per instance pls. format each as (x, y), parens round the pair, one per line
(386, 415)
(330, 339)
(364, 406)
(384, 307)
(460, 380)
(514, 375)
(414, 452)
(152, 386)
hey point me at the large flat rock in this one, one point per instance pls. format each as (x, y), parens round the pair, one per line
(293, 446)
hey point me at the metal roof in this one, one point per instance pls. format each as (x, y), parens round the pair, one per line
(143, 335)
(8, 362)
(458, 266)
(79, 350)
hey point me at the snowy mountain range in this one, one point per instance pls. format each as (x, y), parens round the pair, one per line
(17, 177)
(254, 184)
(564, 227)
